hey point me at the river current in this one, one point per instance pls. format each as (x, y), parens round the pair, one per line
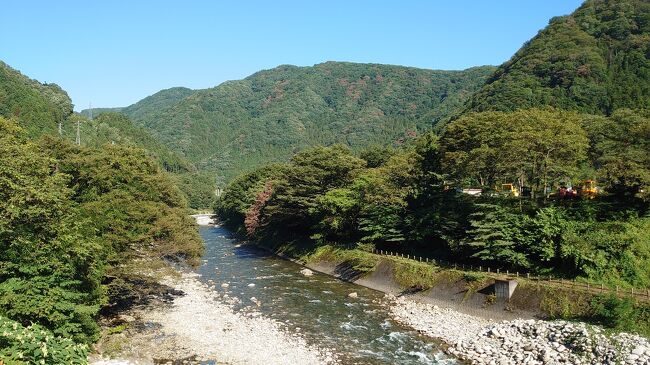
(359, 330)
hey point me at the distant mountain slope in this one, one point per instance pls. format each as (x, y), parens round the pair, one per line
(149, 106)
(594, 61)
(38, 107)
(97, 111)
(112, 127)
(273, 113)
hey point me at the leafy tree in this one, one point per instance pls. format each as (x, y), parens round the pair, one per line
(71, 218)
(492, 236)
(622, 146)
(540, 147)
(310, 175)
(49, 273)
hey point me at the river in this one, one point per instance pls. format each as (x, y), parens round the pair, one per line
(359, 330)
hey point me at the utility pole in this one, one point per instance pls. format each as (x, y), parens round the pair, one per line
(90, 110)
(60, 129)
(78, 140)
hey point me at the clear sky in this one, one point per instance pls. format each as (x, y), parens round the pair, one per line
(115, 52)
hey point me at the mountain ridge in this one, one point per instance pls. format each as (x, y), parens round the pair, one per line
(593, 61)
(269, 115)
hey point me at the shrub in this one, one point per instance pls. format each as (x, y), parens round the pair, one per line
(35, 345)
(613, 312)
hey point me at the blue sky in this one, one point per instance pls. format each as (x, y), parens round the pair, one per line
(115, 52)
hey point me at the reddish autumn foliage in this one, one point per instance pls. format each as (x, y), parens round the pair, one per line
(252, 220)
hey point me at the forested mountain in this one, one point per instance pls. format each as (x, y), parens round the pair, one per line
(595, 61)
(116, 128)
(555, 143)
(148, 107)
(40, 108)
(271, 114)
(37, 106)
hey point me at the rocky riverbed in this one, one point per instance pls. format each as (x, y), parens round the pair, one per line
(201, 327)
(483, 341)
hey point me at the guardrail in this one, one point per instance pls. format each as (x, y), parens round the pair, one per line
(586, 286)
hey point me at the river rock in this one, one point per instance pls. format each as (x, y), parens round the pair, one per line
(306, 272)
(479, 341)
(353, 295)
(126, 318)
(251, 285)
(225, 285)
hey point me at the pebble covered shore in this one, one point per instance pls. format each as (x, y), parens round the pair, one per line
(202, 325)
(482, 341)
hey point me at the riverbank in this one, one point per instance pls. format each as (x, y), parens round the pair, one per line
(200, 326)
(481, 341)
(455, 309)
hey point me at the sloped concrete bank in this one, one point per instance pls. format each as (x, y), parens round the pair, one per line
(480, 331)
(450, 295)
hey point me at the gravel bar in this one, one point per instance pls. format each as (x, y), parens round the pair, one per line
(483, 341)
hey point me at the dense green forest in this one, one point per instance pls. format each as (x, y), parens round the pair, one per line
(77, 223)
(38, 107)
(556, 141)
(41, 109)
(594, 61)
(149, 107)
(117, 129)
(405, 200)
(270, 115)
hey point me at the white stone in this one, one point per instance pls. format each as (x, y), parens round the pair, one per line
(306, 272)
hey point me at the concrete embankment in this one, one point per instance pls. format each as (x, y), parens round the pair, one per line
(484, 332)
(452, 294)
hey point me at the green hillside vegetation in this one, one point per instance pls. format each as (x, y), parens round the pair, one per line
(94, 112)
(116, 129)
(270, 115)
(148, 107)
(408, 204)
(571, 106)
(74, 222)
(37, 107)
(594, 61)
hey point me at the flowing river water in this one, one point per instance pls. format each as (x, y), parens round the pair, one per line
(359, 330)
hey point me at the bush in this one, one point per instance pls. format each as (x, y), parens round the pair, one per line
(35, 345)
(613, 312)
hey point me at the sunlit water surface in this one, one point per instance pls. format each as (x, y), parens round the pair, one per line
(359, 330)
